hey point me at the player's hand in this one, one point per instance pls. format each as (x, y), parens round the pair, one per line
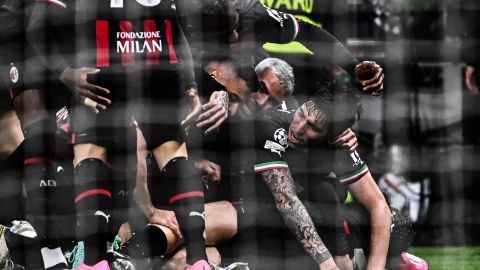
(470, 80)
(215, 111)
(370, 77)
(347, 140)
(210, 170)
(92, 96)
(329, 265)
(195, 107)
(165, 218)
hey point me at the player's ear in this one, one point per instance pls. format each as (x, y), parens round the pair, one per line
(214, 73)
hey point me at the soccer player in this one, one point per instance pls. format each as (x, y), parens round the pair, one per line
(224, 70)
(280, 137)
(247, 25)
(25, 80)
(146, 65)
(275, 77)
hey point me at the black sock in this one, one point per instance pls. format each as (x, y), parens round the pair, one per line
(123, 172)
(93, 200)
(187, 198)
(39, 176)
(11, 191)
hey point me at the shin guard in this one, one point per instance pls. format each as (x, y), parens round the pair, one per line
(93, 201)
(39, 174)
(187, 199)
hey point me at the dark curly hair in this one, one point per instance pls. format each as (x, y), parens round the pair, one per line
(242, 62)
(338, 101)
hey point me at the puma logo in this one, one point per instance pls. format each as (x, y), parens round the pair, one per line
(202, 215)
(197, 214)
(101, 213)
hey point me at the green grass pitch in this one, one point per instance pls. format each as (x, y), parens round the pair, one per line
(448, 258)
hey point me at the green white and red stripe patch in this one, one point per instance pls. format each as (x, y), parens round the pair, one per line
(270, 166)
(296, 27)
(354, 176)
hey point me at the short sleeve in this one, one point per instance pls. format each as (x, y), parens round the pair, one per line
(349, 166)
(271, 143)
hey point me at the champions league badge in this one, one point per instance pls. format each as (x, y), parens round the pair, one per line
(280, 136)
(14, 75)
(280, 144)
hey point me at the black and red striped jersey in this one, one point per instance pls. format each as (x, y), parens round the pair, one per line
(136, 37)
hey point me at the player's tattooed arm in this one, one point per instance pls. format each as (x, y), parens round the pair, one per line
(296, 217)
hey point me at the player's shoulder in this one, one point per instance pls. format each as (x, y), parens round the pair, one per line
(271, 136)
(279, 116)
(271, 118)
(271, 129)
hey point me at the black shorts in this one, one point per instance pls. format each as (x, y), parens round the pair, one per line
(112, 128)
(152, 99)
(159, 120)
(158, 123)
(12, 43)
(20, 69)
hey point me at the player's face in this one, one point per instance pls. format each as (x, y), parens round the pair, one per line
(270, 84)
(309, 124)
(226, 75)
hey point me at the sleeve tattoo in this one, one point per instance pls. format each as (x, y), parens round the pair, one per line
(224, 99)
(294, 213)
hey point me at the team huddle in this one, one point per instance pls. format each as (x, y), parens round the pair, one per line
(158, 134)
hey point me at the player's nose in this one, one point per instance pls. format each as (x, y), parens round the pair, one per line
(301, 127)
